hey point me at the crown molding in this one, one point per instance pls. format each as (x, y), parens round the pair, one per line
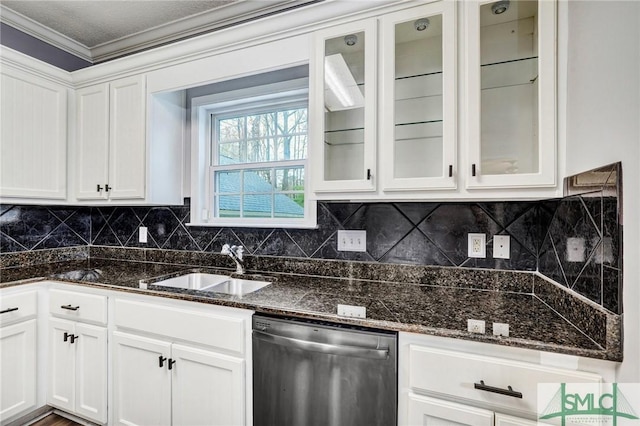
(46, 34)
(18, 60)
(202, 23)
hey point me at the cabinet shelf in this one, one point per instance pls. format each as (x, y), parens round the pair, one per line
(514, 72)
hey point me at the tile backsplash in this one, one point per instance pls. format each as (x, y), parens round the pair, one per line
(545, 235)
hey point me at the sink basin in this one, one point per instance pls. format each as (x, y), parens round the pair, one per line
(213, 283)
(237, 286)
(193, 281)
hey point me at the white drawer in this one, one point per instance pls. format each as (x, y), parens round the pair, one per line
(455, 374)
(18, 307)
(78, 306)
(210, 329)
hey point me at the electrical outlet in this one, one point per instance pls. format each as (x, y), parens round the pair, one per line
(477, 245)
(575, 250)
(142, 234)
(352, 311)
(352, 240)
(501, 247)
(475, 326)
(500, 329)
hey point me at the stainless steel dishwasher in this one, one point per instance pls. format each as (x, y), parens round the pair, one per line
(308, 373)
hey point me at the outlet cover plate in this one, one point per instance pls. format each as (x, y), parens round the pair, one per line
(352, 311)
(142, 235)
(501, 247)
(352, 240)
(475, 326)
(500, 329)
(477, 245)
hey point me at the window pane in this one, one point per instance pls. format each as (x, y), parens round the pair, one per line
(292, 121)
(261, 125)
(258, 181)
(231, 129)
(227, 182)
(228, 206)
(260, 150)
(257, 206)
(230, 153)
(290, 179)
(289, 205)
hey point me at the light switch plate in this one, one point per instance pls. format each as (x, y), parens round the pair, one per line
(352, 240)
(142, 235)
(500, 329)
(501, 247)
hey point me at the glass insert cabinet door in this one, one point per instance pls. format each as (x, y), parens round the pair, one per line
(511, 93)
(418, 100)
(342, 102)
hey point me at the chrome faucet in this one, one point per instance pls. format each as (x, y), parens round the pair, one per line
(235, 252)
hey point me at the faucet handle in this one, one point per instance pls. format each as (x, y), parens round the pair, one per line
(225, 249)
(239, 251)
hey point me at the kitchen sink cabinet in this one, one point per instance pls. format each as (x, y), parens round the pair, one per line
(183, 385)
(426, 411)
(110, 152)
(33, 135)
(190, 363)
(18, 353)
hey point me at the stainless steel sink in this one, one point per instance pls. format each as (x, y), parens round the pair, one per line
(213, 283)
(237, 286)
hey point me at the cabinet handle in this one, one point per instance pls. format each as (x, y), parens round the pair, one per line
(107, 187)
(473, 170)
(450, 170)
(161, 360)
(66, 336)
(368, 174)
(98, 188)
(8, 310)
(73, 338)
(171, 362)
(70, 308)
(508, 392)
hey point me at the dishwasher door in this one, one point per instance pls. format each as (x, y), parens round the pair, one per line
(307, 374)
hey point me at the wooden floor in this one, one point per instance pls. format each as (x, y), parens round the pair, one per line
(55, 420)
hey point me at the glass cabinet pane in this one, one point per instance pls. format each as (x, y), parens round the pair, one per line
(509, 122)
(418, 133)
(344, 82)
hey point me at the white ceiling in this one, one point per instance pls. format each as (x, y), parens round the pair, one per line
(98, 30)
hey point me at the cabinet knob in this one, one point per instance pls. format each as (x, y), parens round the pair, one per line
(171, 362)
(161, 360)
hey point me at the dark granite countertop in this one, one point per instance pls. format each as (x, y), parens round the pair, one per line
(420, 308)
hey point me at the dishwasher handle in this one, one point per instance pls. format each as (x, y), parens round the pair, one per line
(325, 348)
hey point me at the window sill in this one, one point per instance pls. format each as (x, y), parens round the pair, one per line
(257, 224)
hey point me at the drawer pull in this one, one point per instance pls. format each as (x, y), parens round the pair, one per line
(8, 310)
(161, 360)
(69, 307)
(171, 362)
(508, 392)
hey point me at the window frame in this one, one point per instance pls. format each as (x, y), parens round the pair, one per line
(204, 152)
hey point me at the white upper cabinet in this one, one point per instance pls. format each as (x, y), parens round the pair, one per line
(111, 154)
(33, 136)
(510, 93)
(417, 106)
(342, 105)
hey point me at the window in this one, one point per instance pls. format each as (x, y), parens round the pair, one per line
(255, 144)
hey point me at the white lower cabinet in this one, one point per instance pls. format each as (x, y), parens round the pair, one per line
(175, 366)
(18, 353)
(78, 368)
(425, 411)
(17, 368)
